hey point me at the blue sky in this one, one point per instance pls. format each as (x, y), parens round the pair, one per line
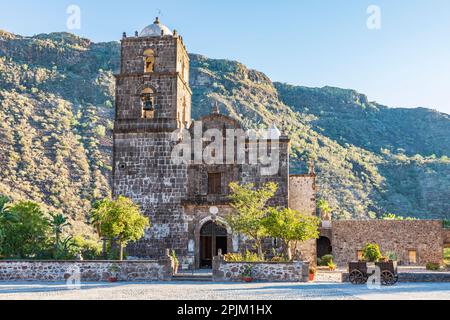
(406, 63)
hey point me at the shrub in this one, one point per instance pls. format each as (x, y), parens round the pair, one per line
(371, 252)
(28, 235)
(89, 249)
(233, 257)
(247, 257)
(325, 260)
(391, 255)
(446, 224)
(279, 259)
(65, 249)
(248, 272)
(391, 216)
(433, 266)
(447, 256)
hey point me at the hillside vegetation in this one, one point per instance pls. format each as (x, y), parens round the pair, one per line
(56, 116)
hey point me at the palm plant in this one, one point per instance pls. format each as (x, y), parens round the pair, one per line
(5, 214)
(58, 222)
(65, 249)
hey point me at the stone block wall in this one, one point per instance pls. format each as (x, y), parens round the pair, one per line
(144, 172)
(262, 271)
(158, 270)
(302, 197)
(425, 237)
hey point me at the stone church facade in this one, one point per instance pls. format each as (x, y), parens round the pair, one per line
(187, 202)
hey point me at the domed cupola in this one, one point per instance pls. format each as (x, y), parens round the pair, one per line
(155, 30)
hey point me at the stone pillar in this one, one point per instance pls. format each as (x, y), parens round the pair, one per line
(169, 264)
(217, 261)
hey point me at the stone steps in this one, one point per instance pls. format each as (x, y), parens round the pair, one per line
(329, 276)
(185, 277)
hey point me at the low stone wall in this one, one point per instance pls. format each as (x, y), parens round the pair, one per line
(160, 270)
(415, 277)
(262, 271)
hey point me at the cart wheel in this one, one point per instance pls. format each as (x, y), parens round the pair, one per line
(387, 278)
(356, 277)
(396, 278)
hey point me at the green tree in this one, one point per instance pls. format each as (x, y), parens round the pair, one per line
(251, 207)
(6, 217)
(28, 235)
(120, 220)
(324, 208)
(292, 227)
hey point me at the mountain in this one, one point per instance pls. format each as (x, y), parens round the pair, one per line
(56, 116)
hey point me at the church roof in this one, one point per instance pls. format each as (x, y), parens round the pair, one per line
(157, 29)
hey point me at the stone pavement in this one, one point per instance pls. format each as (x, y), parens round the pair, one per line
(222, 291)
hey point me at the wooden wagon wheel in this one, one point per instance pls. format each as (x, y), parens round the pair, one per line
(387, 278)
(357, 277)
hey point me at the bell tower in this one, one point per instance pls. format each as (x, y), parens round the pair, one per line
(153, 99)
(153, 84)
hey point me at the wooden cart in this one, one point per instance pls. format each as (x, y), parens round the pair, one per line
(358, 272)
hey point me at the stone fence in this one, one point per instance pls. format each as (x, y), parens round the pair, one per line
(155, 270)
(422, 239)
(261, 271)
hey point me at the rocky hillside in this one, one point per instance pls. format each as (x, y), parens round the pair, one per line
(56, 112)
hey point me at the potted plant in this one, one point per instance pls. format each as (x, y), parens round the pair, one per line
(247, 275)
(312, 273)
(372, 253)
(114, 273)
(331, 266)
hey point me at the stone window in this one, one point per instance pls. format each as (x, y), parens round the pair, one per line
(149, 58)
(214, 183)
(148, 103)
(412, 256)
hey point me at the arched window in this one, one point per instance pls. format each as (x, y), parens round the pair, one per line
(149, 57)
(148, 103)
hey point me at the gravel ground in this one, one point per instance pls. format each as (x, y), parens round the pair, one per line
(221, 291)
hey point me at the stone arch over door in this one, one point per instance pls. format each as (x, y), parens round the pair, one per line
(324, 246)
(198, 229)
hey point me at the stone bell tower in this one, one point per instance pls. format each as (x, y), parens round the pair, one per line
(153, 99)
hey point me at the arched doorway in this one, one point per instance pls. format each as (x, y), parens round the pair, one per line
(212, 238)
(324, 247)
